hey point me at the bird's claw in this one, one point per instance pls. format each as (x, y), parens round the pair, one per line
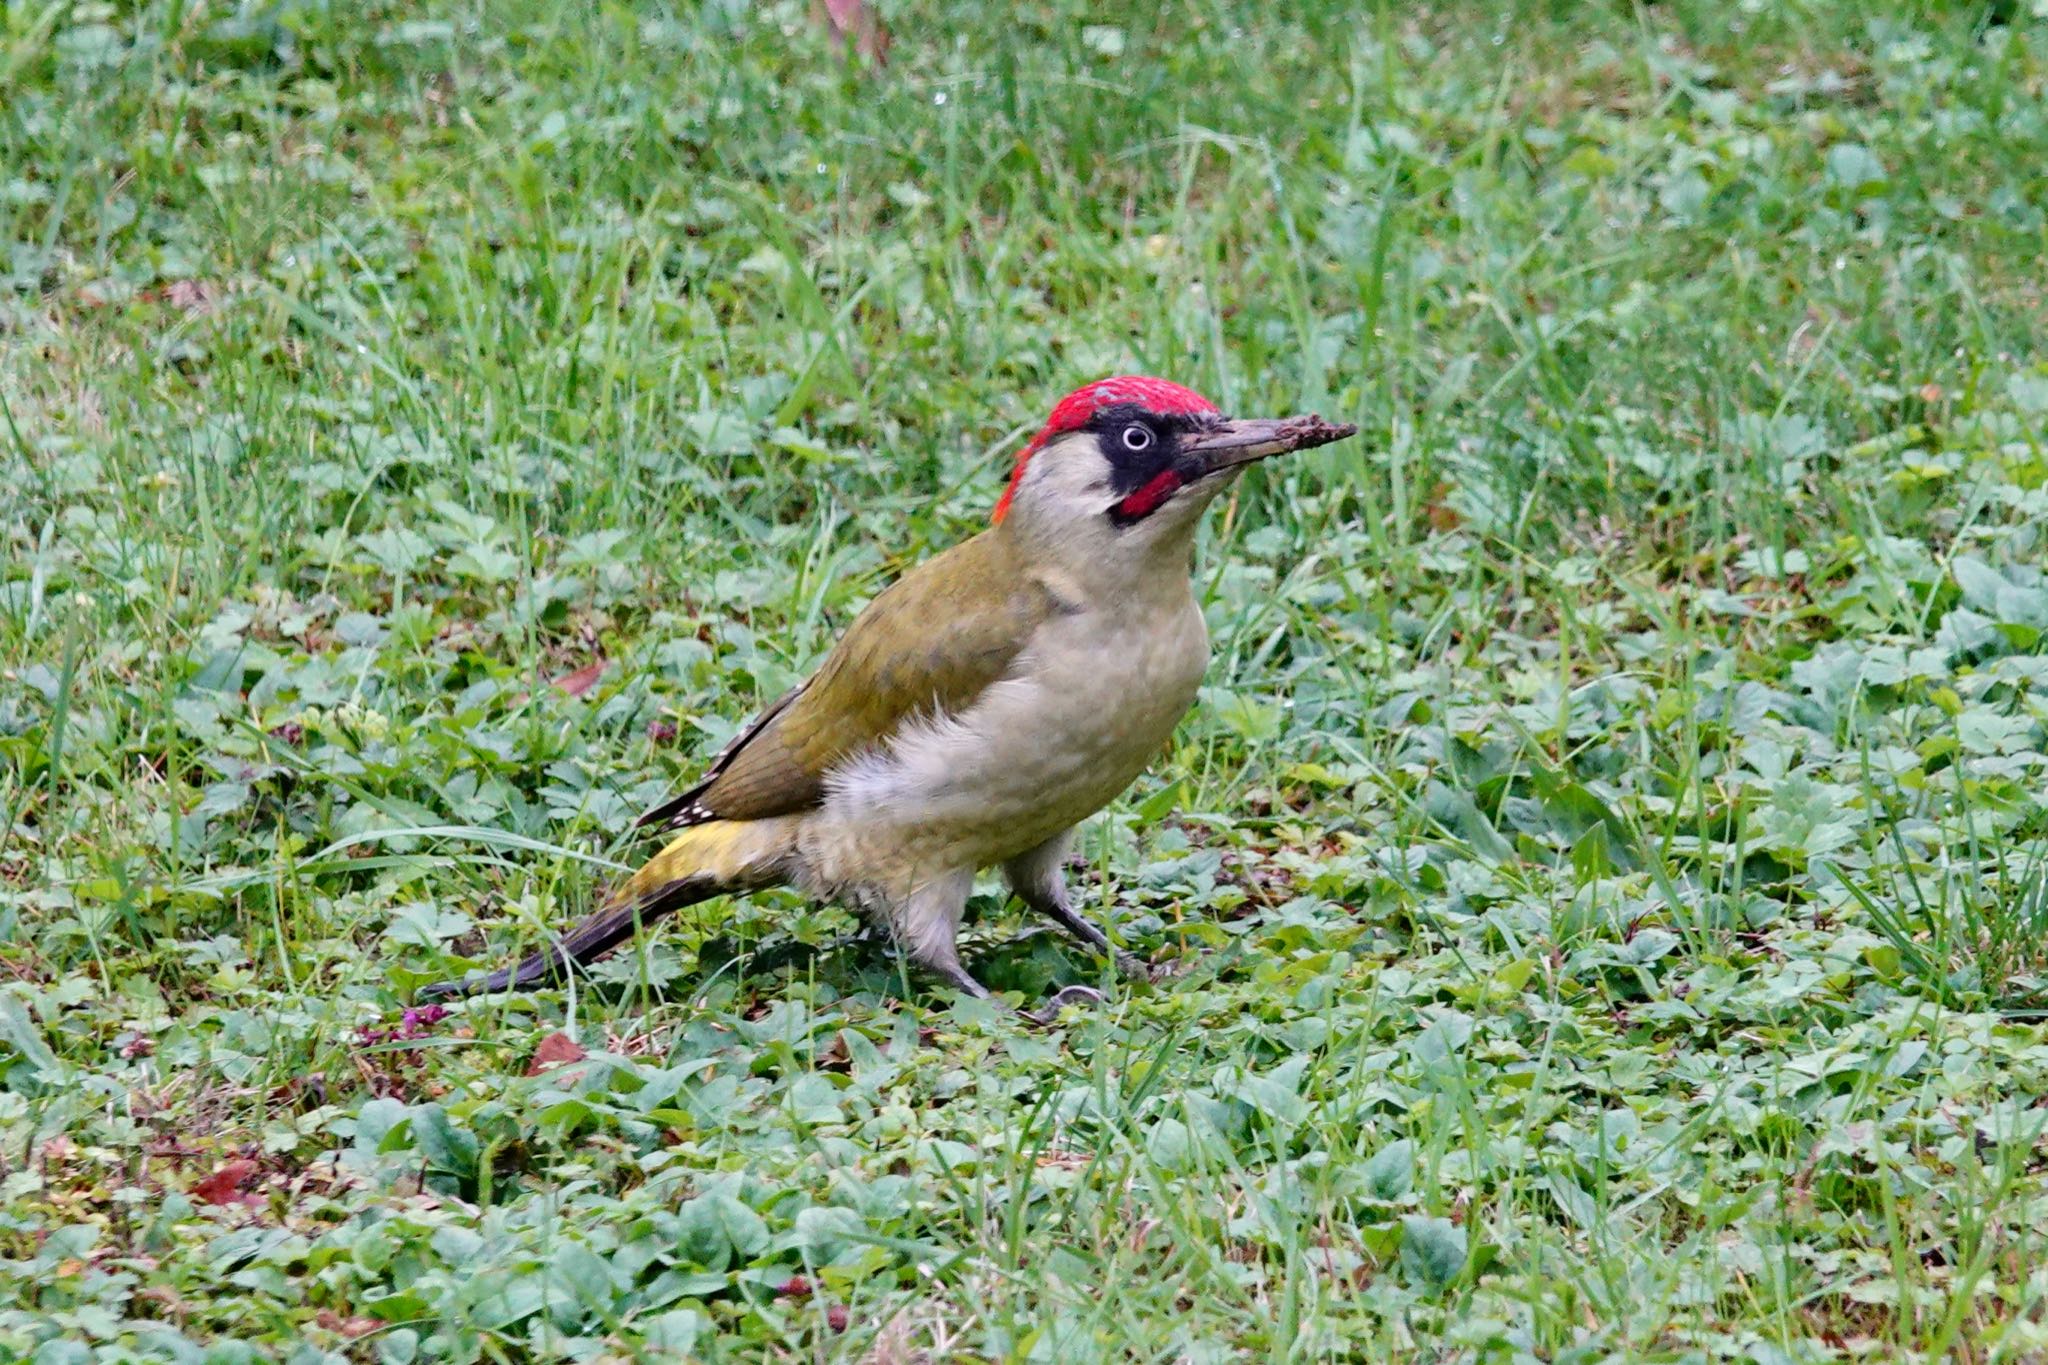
(1155, 970)
(1060, 999)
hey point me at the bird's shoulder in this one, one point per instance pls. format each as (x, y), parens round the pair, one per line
(929, 644)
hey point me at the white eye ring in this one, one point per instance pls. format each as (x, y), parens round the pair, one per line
(1137, 437)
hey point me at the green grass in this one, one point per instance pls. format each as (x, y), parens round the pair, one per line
(1615, 818)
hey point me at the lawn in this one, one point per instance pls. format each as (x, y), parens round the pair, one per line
(1609, 862)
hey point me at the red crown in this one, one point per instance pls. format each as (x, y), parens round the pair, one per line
(1161, 396)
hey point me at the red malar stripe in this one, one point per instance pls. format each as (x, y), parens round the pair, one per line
(1147, 499)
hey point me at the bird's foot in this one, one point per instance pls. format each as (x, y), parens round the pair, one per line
(1059, 1000)
(1135, 968)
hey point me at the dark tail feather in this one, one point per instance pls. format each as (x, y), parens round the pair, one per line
(597, 935)
(702, 861)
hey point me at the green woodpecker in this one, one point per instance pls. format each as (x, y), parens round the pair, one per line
(980, 707)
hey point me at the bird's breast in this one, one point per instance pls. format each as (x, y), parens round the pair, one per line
(1090, 702)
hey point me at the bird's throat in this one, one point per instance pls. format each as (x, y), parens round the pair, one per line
(1148, 498)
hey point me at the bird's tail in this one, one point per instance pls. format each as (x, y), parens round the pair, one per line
(703, 861)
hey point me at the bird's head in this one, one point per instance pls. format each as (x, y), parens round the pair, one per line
(1127, 464)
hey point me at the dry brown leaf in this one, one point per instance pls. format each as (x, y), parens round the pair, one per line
(224, 1186)
(557, 1049)
(583, 679)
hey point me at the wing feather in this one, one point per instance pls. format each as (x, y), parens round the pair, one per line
(929, 644)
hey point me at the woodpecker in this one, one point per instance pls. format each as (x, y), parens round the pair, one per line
(981, 706)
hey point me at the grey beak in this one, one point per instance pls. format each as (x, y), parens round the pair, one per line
(1243, 440)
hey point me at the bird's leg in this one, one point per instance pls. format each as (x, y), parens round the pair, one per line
(943, 961)
(1039, 878)
(926, 924)
(956, 976)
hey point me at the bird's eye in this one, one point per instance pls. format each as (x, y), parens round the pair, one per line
(1137, 437)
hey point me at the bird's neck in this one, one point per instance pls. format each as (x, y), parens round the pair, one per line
(1098, 563)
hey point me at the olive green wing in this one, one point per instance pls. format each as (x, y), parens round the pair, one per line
(928, 644)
